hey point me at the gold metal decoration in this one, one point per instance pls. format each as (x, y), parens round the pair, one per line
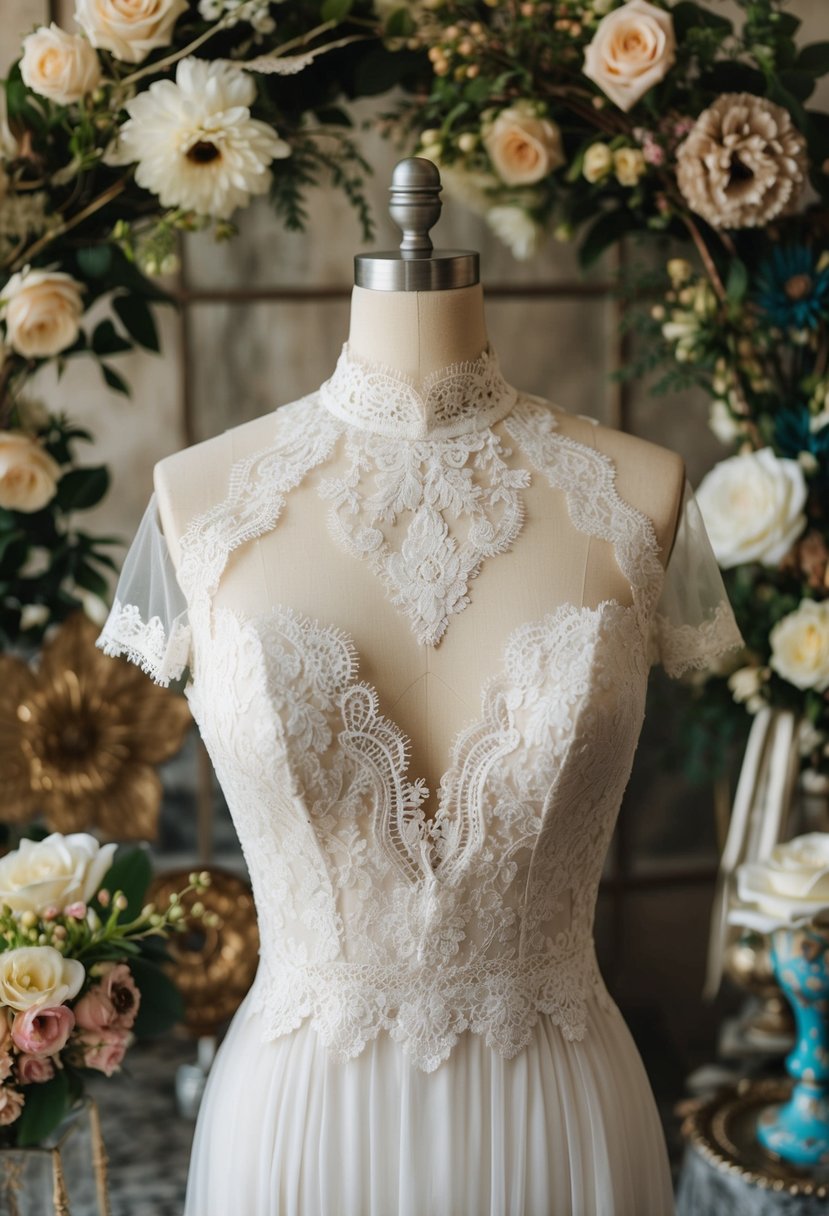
(723, 1131)
(748, 963)
(56, 1179)
(81, 735)
(215, 959)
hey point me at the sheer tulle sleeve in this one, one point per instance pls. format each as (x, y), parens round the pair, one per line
(693, 624)
(148, 621)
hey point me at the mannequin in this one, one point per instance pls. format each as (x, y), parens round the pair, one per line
(431, 691)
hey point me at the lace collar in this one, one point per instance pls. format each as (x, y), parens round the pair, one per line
(457, 399)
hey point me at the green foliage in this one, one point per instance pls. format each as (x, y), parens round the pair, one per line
(46, 1104)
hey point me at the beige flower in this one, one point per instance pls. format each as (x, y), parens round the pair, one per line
(60, 66)
(11, 1105)
(629, 164)
(130, 29)
(38, 975)
(743, 163)
(598, 162)
(53, 872)
(632, 49)
(42, 310)
(523, 148)
(752, 506)
(800, 646)
(28, 474)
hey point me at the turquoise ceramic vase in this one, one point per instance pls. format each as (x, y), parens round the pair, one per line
(798, 1131)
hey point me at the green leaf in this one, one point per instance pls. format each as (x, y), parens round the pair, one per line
(800, 84)
(91, 580)
(45, 1105)
(737, 282)
(608, 228)
(161, 1002)
(116, 382)
(107, 341)
(688, 16)
(137, 319)
(94, 261)
(80, 489)
(131, 873)
(335, 10)
(814, 59)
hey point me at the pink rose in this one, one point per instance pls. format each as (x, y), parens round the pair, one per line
(43, 1032)
(33, 1070)
(76, 910)
(11, 1104)
(122, 992)
(103, 1049)
(95, 1010)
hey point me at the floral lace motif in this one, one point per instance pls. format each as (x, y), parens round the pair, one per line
(461, 397)
(374, 917)
(162, 655)
(464, 480)
(683, 648)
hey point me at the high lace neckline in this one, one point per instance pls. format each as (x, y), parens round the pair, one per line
(454, 400)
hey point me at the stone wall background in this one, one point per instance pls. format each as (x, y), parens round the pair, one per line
(227, 357)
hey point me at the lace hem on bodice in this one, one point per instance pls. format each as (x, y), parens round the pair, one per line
(349, 1004)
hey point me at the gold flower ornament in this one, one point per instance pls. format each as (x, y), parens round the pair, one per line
(80, 738)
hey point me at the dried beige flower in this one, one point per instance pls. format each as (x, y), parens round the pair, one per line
(743, 163)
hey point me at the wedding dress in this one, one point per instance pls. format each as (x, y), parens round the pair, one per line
(428, 1033)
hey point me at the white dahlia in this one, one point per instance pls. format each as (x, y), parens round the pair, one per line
(195, 142)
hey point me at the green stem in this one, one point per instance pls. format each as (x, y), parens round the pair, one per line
(52, 235)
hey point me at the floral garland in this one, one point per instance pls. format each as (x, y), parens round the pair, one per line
(607, 119)
(145, 122)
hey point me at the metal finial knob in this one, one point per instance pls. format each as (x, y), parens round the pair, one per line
(415, 207)
(415, 204)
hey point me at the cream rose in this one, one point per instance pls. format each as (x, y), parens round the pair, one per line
(631, 51)
(42, 311)
(53, 872)
(28, 475)
(38, 976)
(800, 646)
(523, 148)
(790, 885)
(629, 164)
(598, 162)
(60, 66)
(752, 506)
(130, 29)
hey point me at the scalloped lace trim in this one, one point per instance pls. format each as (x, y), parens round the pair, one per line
(146, 643)
(682, 648)
(461, 397)
(349, 1004)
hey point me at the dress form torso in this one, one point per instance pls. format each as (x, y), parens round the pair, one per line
(431, 691)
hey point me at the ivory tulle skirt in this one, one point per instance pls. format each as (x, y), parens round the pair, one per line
(563, 1129)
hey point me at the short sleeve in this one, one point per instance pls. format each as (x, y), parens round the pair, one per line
(148, 622)
(693, 624)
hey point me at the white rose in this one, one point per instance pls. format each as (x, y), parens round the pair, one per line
(60, 66)
(747, 682)
(598, 162)
(38, 975)
(752, 506)
(631, 51)
(42, 311)
(800, 646)
(629, 164)
(53, 872)
(791, 885)
(130, 29)
(518, 230)
(523, 147)
(28, 474)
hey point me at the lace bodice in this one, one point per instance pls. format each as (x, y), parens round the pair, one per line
(373, 917)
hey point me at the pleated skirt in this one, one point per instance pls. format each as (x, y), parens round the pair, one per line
(286, 1128)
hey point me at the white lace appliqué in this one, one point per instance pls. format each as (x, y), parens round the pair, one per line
(460, 504)
(162, 655)
(374, 916)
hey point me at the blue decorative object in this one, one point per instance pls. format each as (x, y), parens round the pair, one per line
(798, 1131)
